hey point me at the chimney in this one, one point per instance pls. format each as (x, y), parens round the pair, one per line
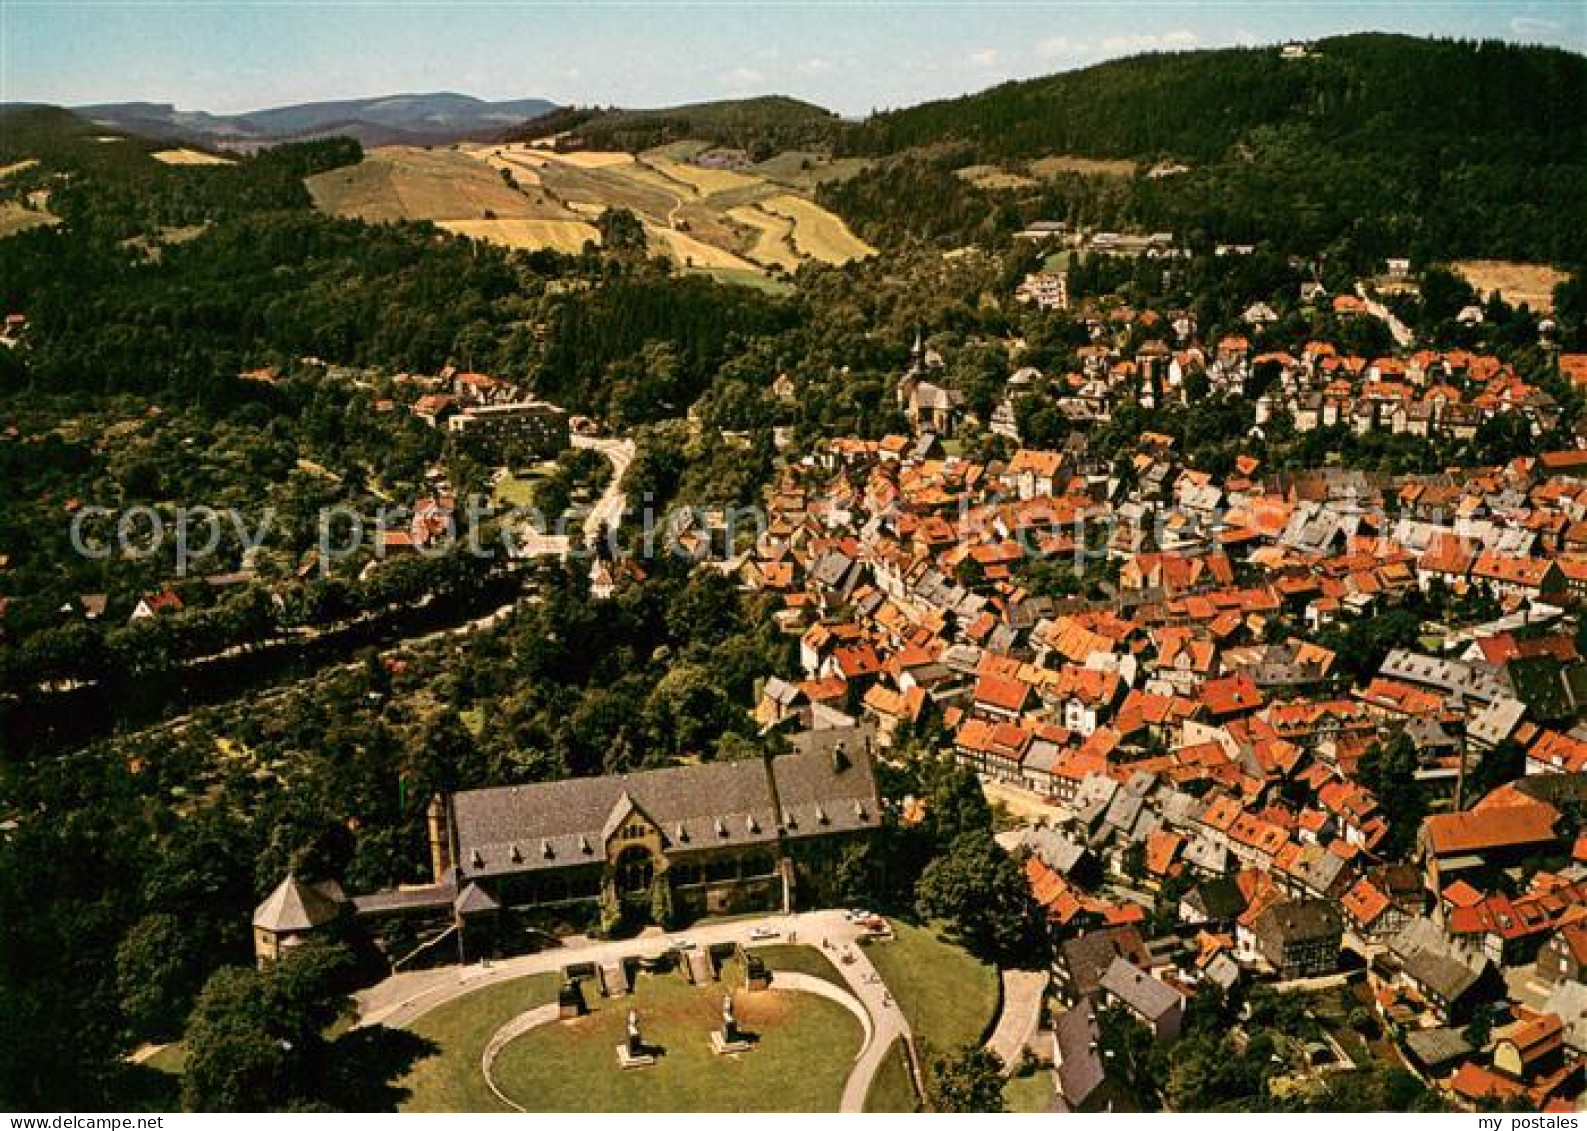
(840, 758)
(440, 838)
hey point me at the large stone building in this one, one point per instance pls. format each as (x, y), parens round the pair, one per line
(710, 839)
(530, 429)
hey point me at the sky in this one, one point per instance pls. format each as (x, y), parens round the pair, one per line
(853, 56)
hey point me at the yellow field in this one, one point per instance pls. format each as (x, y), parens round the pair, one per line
(523, 169)
(567, 236)
(706, 182)
(14, 218)
(694, 216)
(17, 167)
(402, 183)
(189, 157)
(650, 177)
(675, 151)
(804, 170)
(991, 177)
(1085, 166)
(818, 233)
(773, 242)
(589, 159)
(1531, 283)
(687, 251)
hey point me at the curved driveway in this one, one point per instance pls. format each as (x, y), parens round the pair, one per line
(403, 998)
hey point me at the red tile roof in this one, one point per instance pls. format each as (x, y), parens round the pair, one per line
(1479, 830)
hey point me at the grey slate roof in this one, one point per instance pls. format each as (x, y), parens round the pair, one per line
(514, 829)
(1081, 1069)
(430, 897)
(1092, 799)
(1223, 971)
(295, 906)
(1319, 869)
(474, 899)
(1206, 855)
(1054, 849)
(1300, 920)
(1217, 899)
(1443, 974)
(1568, 1002)
(781, 692)
(1088, 957)
(1124, 811)
(1481, 682)
(1438, 1048)
(1151, 999)
(833, 569)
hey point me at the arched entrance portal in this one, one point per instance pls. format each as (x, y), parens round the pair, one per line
(635, 870)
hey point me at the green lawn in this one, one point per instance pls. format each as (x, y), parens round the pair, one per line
(802, 959)
(517, 490)
(451, 1079)
(891, 1089)
(806, 1049)
(740, 277)
(948, 995)
(1029, 1095)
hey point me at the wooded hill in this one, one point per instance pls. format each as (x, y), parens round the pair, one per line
(1371, 145)
(760, 126)
(1389, 95)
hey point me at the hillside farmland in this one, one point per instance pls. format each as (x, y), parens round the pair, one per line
(528, 197)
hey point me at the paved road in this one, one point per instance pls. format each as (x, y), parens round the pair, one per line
(608, 508)
(1399, 330)
(1020, 1017)
(888, 1020)
(403, 998)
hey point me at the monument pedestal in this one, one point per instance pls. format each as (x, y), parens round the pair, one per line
(722, 1046)
(627, 1059)
(633, 1052)
(570, 1001)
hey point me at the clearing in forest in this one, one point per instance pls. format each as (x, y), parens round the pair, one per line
(818, 233)
(189, 157)
(14, 218)
(1084, 166)
(993, 177)
(1531, 283)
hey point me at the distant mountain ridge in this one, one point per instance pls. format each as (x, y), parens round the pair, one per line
(396, 119)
